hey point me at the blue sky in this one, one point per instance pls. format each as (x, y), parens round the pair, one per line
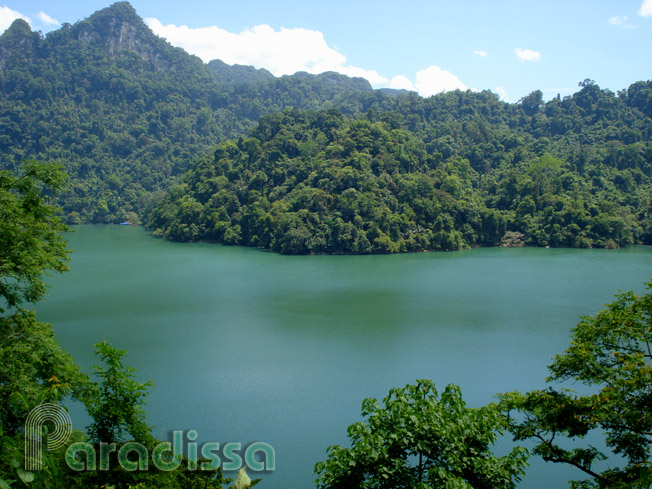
(510, 47)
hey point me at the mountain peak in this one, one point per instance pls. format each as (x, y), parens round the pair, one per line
(18, 43)
(18, 27)
(120, 11)
(119, 29)
(112, 22)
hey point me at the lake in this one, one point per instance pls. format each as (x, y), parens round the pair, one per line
(246, 345)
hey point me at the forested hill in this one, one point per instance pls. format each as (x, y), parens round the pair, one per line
(124, 111)
(361, 171)
(456, 170)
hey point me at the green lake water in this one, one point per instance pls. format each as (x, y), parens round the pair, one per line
(245, 345)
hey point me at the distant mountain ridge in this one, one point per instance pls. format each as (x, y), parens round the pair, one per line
(125, 111)
(225, 73)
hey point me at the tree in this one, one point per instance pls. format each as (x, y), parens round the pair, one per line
(419, 439)
(612, 353)
(34, 370)
(30, 232)
(117, 408)
(30, 245)
(118, 417)
(33, 367)
(532, 102)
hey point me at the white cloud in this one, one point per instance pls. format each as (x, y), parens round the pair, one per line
(286, 51)
(7, 16)
(527, 54)
(47, 20)
(480, 52)
(282, 52)
(372, 75)
(646, 9)
(502, 93)
(621, 22)
(433, 80)
(401, 82)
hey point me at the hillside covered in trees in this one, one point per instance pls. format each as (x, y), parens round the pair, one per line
(332, 167)
(124, 111)
(456, 170)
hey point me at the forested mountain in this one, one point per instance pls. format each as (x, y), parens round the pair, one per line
(224, 73)
(339, 167)
(471, 171)
(124, 111)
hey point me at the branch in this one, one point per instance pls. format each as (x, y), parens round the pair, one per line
(608, 425)
(625, 348)
(5, 340)
(13, 184)
(558, 457)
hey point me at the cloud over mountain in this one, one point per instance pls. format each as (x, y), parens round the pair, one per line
(289, 50)
(7, 16)
(282, 52)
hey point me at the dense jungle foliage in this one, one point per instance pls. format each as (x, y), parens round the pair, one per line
(124, 111)
(460, 169)
(359, 171)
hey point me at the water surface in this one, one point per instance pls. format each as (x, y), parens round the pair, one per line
(246, 345)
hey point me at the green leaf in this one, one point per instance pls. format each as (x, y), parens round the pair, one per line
(242, 480)
(25, 476)
(415, 423)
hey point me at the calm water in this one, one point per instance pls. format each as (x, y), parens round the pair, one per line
(245, 345)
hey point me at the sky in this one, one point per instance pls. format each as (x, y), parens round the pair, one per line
(511, 47)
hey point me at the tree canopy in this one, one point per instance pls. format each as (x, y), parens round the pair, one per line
(420, 439)
(325, 182)
(611, 353)
(34, 369)
(30, 239)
